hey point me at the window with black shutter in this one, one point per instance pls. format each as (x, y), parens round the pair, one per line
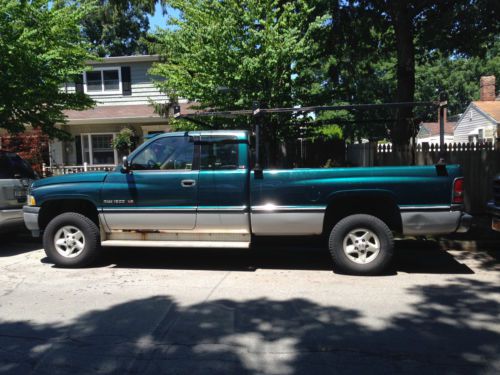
(79, 83)
(78, 148)
(126, 81)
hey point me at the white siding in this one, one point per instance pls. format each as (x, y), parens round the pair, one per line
(472, 120)
(435, 139)
(143, 89)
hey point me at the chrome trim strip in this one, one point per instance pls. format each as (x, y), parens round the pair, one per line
(424, 208)
(137, 210)
(218, 209)
(187, 209)
(270, 208)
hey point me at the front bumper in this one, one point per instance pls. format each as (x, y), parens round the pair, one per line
(11, 219)
(30, 214)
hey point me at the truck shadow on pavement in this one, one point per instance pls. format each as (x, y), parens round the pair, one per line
(18, 243)
(410, 256)
(451, 328)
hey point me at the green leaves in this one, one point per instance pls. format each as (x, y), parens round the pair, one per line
(229, 54)
(40, 50)
(117, 27)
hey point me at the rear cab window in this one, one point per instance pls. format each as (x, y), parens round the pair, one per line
(219, 153)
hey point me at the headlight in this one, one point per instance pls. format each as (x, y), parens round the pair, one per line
(31, 200)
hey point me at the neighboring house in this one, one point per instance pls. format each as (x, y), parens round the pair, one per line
(429, 132)
(481, 120)
(123, 90)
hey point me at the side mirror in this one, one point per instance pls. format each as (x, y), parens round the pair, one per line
(126, 165)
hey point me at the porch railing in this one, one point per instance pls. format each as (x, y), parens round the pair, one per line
(68, 169)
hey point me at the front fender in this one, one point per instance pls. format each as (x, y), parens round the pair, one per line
(82, 191)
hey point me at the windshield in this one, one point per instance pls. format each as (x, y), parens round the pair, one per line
(12, 166)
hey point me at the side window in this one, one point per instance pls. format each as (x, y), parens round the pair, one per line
(169, 153)
(219, 154)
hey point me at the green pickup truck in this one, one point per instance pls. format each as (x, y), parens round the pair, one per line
(198, 189)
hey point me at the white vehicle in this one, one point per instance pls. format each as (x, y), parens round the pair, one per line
(15, 177)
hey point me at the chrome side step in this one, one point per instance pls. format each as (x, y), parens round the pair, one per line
(199, 244)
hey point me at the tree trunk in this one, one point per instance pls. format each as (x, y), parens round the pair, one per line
(403, 27)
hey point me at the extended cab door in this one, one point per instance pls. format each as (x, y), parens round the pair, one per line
(159, 193)
(223, 185)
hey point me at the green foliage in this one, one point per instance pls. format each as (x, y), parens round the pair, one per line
(451, 44)
(227, 55)
(117, 27)
(458, 76)
(41, 49)
(322, 52)
(125, 140)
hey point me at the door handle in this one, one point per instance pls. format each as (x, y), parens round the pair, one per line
(188, 183)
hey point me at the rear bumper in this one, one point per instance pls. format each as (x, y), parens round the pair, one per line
(11, 219)
(494, 211)
(422, 223)
(30, 215)
(465, 223)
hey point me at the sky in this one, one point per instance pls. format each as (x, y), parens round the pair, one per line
(158, 19)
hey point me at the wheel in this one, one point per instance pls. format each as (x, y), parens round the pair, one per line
(71, 240)
(361, 245)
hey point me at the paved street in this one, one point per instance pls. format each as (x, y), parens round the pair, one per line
(273, 310)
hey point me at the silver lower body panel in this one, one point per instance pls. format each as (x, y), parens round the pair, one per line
(200, 222)
(152, 220)
(417, 223)
(287, 223)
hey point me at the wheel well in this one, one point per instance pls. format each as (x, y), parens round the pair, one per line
(381, 206)
(51, 209)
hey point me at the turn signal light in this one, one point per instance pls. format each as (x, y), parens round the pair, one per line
(458, 191)
(31, 200)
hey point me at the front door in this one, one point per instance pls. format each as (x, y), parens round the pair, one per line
(159, 193)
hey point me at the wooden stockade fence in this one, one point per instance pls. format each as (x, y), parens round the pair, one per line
(480, 163)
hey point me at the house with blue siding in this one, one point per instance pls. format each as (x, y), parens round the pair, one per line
(481, 120)
(123, 90)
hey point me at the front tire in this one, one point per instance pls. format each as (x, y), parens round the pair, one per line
(71, 240)
(361, 245)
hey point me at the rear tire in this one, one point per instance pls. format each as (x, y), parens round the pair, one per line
(361, 245)
(71, 240)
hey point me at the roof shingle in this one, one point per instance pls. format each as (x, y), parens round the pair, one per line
(491, 108)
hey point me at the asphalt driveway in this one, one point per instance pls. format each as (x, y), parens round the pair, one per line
(272, 310)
